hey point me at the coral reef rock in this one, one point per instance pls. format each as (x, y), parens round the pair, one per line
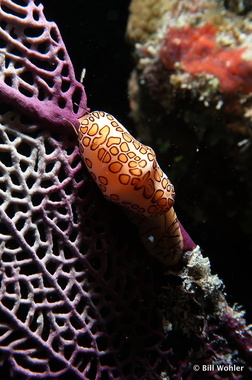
(191, 99)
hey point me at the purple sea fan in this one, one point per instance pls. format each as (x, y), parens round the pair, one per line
(78, 297)
(76, 301)
(73, 301)
(36, 72)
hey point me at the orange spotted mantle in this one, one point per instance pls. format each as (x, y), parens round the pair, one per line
(127, 173)
(125, 170)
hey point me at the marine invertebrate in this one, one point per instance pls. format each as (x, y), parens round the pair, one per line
(128, 174)
(109, 149)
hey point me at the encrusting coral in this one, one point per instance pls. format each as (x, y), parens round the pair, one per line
(190, 97)
(79, 296)
(196, 49)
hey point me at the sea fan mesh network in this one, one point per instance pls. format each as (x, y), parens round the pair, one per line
(75, 300)
(35, 69)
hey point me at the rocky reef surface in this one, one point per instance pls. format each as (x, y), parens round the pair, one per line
(190, 96)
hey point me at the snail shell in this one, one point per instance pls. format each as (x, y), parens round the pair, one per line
(127, 173)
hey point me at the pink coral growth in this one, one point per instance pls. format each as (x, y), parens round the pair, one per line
(197, 50)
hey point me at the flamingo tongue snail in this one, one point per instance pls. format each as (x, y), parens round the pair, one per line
(128, 174)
